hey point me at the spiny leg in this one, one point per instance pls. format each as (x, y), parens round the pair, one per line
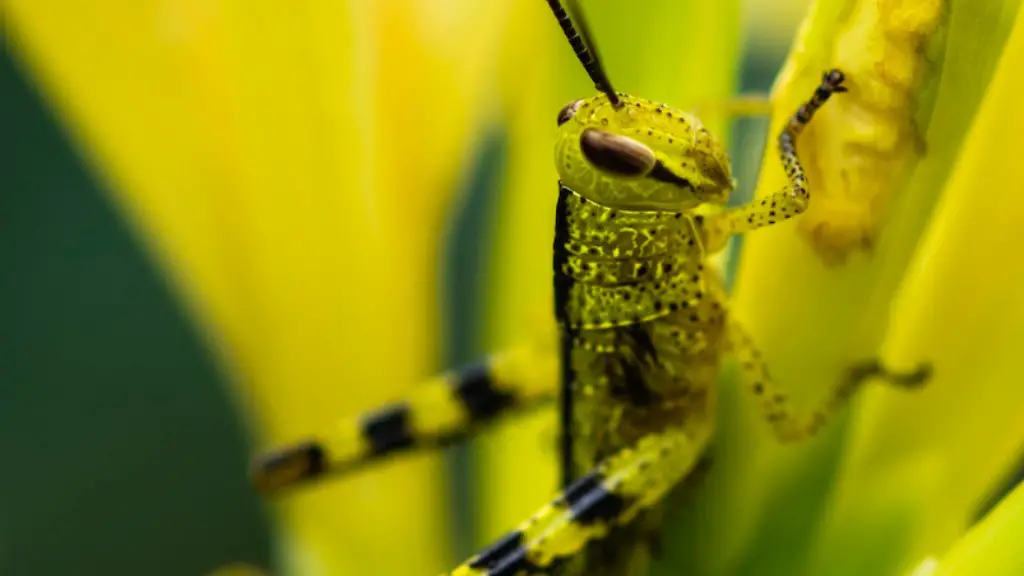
(774, 402)
(443, 410)
(613, 494)
(792, 199)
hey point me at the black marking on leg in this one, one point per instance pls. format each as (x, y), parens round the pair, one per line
(563, 288)
(474, 385)
(590, 502)
(288, 466)
(387, 430)
(856, 373)
(506, 557)
(503, 547)
(517, 564)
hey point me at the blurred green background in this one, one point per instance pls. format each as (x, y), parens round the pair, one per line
(123, 453)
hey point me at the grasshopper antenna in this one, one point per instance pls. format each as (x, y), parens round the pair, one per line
(583, 44)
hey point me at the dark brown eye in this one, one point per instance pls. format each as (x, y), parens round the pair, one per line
(617, 154)
(568, 111)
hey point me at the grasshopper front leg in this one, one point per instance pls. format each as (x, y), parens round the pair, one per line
(792, 199)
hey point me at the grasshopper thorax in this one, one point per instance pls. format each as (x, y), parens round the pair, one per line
(639, 155)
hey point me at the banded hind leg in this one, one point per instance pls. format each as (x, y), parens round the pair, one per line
(773, 401)
(789, 201)
(612, 495)
(439, 412)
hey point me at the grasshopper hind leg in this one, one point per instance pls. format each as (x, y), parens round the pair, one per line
(439, 412)
(613, 495)
(794, 198)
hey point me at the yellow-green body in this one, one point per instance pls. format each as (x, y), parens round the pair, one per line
(642, 326)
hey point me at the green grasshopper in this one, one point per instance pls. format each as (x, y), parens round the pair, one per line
(643, 328)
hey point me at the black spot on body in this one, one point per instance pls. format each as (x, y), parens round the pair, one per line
(633, 386)
(643, 343)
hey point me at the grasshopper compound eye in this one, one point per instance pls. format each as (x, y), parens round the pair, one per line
(616, 154)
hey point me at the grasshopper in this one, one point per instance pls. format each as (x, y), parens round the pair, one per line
(643, 327)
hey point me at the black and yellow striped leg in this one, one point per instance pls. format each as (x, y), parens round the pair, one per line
(774, 402)
(792, 199)
(436, 413)
(612, 495)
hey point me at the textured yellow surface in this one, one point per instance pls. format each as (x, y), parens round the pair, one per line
(912, 467)
(960, 304)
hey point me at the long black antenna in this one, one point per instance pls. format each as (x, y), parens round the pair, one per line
(583, 44)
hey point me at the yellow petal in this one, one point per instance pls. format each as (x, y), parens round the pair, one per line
(992, 547)
(814, 316)
(960, 307)
(289, 165)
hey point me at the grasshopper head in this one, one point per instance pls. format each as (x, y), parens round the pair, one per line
(639, 154)
(622, 151)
